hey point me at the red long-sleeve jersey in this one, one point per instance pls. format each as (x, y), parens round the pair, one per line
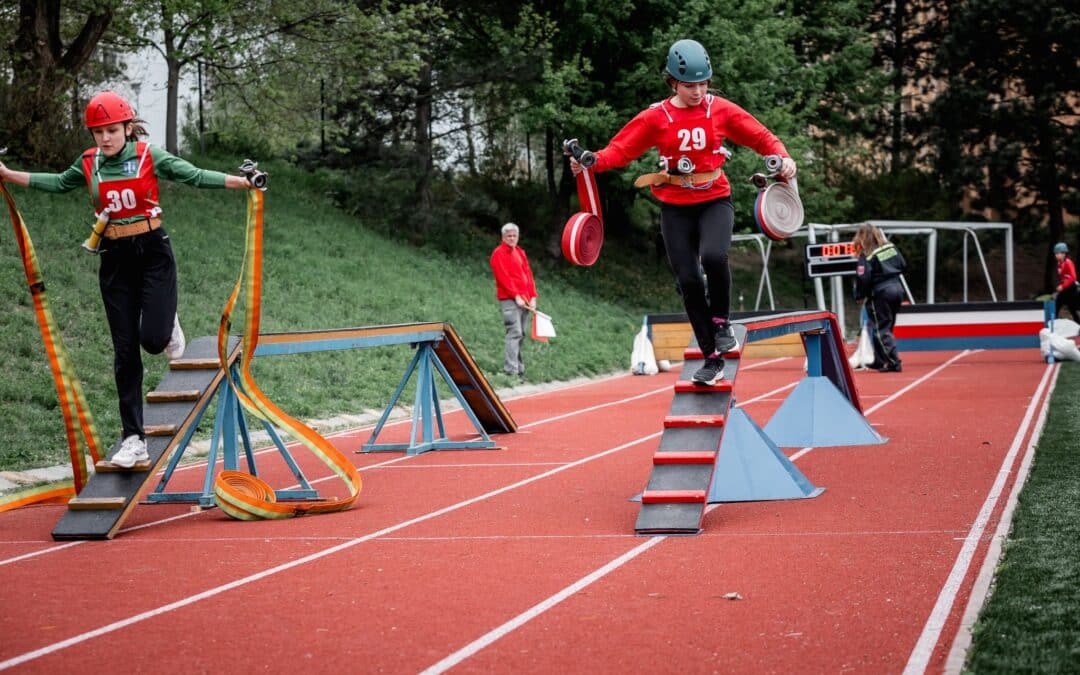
(696, 133)
(1066, 274)
(513, 276)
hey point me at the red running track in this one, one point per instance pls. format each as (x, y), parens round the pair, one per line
(524, 559)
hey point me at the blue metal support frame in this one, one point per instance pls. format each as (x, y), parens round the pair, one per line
(229, 422)
(426, 410)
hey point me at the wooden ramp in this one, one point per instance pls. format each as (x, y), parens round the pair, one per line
(111, 493)
(450, 350)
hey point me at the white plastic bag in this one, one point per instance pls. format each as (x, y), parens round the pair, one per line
(1066, 327)
(1063, 348)
(642, 358)
(863, 355)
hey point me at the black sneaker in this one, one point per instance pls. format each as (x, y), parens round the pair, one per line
(724, 340)
(891, 368)
(711, 372)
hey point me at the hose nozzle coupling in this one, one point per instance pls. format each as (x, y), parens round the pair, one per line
(251, 171)
(572, 148)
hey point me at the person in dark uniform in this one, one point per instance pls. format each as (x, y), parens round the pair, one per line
(878, 284)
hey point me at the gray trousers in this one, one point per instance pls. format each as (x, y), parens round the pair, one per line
(516, 321)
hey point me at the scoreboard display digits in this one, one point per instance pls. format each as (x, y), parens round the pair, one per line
(831, 259)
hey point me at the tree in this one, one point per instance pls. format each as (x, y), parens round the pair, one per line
(51, 48)
(223, 35)
(1008, 117)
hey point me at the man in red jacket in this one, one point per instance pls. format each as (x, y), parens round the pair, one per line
(516, 291)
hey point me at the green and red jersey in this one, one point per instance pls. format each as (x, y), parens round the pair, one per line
(127, 181)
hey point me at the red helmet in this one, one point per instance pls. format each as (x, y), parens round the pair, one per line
(108, 107)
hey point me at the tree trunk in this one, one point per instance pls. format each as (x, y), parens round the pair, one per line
(172, 84)
(1050, 189)
(422, 132)
(37, 124)
(899, 9)
(470, 143)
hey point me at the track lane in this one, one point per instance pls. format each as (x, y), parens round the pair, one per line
(563, 500)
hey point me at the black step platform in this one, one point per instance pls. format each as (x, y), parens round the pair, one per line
(677, 492)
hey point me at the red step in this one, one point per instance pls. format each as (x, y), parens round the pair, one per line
(685, 457)
(692, 353)
(674, 497)
(693, 421)
(691, 387)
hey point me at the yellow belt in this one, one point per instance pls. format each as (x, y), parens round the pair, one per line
(143, 226)
(685, 180)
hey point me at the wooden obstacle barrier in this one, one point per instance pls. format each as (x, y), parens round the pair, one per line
(670, 333)
(175, 408)
(704, 434)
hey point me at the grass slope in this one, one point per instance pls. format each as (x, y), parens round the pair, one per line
(322, 269)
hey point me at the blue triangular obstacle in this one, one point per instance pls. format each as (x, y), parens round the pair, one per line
(816, 414)
(750, 468)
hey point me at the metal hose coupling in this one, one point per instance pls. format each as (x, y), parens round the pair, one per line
(571, 148)
(257, 178)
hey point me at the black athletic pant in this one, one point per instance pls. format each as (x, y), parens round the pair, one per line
(1070, 298)
(701, 232)
(138, 286)
(882, 307)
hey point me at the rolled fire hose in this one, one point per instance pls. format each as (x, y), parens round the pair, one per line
(778, 210)
(583, 235)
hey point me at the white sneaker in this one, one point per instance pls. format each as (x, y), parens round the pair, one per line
(175, 348)
(132, 451)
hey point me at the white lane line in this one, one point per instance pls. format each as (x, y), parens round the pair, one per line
(531, 537)
(209, 593)
(538, 609)
(32, 554)
(935, 624)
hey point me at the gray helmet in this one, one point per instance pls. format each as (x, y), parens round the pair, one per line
(687, 61)
(1061, 247)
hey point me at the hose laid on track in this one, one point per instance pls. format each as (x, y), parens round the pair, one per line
(239, 494)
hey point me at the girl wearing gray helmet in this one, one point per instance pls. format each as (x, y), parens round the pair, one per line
(696, 214)
(1066, 293)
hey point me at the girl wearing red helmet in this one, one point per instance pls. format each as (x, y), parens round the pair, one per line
(137, 276)
(696, 214)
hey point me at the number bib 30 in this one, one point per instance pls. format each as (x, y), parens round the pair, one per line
(134, 195)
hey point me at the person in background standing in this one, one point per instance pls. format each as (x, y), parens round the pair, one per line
(1066, 294)
(878, 280)
(516, 291)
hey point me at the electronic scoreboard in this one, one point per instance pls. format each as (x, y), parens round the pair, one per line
(839, 258)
